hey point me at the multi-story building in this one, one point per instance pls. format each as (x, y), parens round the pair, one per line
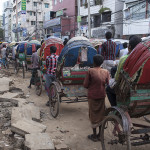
(106, 15)
(1, 21)
(7, 12)
(30, 24)
(64, 24)
(136, 18)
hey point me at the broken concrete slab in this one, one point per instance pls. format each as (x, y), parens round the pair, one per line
(9, 95)
(61, 146)
(28, 111)
(25, 126)
(38, 141)
(21, 101)
(4, 84)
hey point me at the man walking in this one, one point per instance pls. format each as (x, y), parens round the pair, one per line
(108, 52)
(3, 55)
(35, 64)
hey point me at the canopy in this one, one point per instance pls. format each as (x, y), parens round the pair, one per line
(51, 41)
(138, 63)
(96, 42)
(30, 47)
(77, 38)
(35, 42)
(72, 51)
(21, 46)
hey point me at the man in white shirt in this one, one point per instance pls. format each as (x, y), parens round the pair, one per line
(3, 54)
(124, 51)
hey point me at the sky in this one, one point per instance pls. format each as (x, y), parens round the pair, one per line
(1, 6)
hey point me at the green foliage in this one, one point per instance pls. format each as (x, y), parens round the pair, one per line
(1, 34)
(103, 9)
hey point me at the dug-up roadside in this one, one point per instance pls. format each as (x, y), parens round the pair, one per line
(21, 127)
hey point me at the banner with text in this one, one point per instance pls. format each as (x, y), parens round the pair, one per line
(23, 6)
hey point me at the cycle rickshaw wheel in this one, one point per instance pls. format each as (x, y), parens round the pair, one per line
(113, 136)
(54, 100)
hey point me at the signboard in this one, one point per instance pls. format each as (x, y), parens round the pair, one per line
(59, 13)
(78, 18)
(23, 6)
(52, 22)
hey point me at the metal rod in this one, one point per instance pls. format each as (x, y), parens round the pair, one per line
(89, 19)
(79, 24)
(17, 20)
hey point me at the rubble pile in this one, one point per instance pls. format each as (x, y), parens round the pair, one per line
(20, 122)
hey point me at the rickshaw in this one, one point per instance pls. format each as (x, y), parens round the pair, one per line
(73, 64)
(118, 130)
(44, 52)
(20, 62)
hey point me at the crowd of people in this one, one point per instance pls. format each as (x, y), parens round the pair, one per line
(97, 80)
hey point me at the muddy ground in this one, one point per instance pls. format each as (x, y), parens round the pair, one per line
(71, 126)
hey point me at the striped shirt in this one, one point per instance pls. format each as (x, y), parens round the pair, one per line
(51, 62)
(108, 50)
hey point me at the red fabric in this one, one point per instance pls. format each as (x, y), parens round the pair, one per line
(33, 48)
(136, 59)
(51, 42)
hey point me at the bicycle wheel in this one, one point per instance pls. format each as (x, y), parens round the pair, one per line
(113, 136)
(54, 100)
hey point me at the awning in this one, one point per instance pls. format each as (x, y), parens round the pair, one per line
(51, 23)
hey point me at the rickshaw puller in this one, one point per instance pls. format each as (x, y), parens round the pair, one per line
(51, 62)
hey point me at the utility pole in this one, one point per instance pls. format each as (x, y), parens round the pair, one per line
(79, 24)
(17, 20)
(36, 33)
(89, 19)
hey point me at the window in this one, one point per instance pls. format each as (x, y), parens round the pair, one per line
(106, 16)
(46, 5)
(39, 13)
(33, 23)
(97, 21)
(34, 14)
(30, 12)
(55, 2)
(83, 2)
(35, 3)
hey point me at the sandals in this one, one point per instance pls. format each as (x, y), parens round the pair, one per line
(92, 138)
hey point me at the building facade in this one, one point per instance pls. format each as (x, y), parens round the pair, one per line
(136, 18)
(64, 21)
(106, 15)
(30, 22)
(7, 13)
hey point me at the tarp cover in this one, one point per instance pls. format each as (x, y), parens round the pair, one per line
(70, 53)
(137, 65)
(51, 41)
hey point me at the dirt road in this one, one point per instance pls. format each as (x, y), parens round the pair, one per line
(72, 125)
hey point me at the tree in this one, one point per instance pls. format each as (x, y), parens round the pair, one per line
(1, 34)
